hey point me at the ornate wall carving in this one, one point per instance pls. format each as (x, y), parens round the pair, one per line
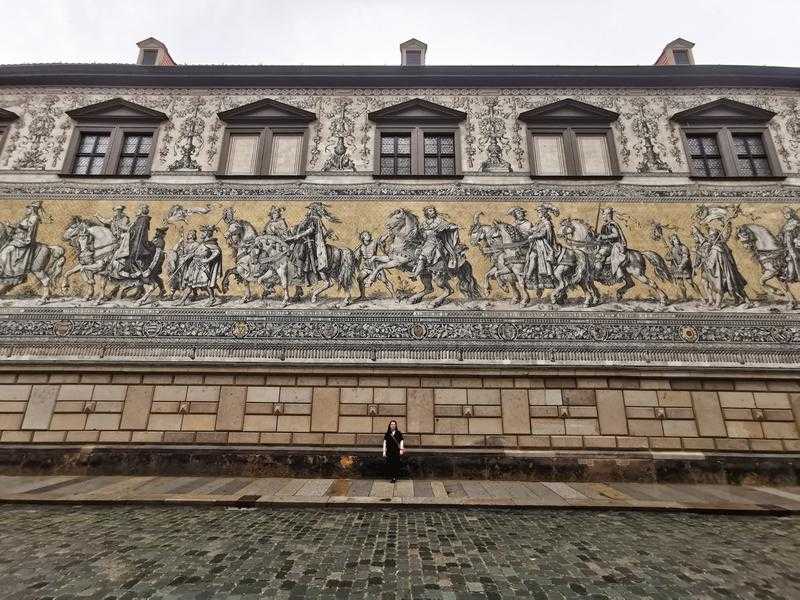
(646, 140)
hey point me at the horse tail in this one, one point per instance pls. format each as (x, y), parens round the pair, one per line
(346, 268)
(467, 284)
(659, 264)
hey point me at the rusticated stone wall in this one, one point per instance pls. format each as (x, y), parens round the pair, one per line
(565, 412)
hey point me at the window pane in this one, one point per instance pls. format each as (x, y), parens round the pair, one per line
(403, 166)
(125, 166)
(285, 156)
(242, 154)
(703, 144)
(548, 155)
(431, 166)
(102, 144)
(96, 165)
(756, 167)
(81, 165)
(593, 152)
(710, 167)
(404, 144)
(387, 166)
(448, 165)
(147, 142)
(681, 57)
(87, 143)
(131, 144)
(748, 144)
(430, 145)
(762, 167)
(448, 144)
(387, 144)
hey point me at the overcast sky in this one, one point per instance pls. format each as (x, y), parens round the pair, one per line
(602, 32)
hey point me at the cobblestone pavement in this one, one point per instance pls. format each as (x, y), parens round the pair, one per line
(128, 552)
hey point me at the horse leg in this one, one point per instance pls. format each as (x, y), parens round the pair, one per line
(327, 283)
(443, 283)
(5, 288)
(663, 299)
(626, 285)
(560, 292)
(427, 289)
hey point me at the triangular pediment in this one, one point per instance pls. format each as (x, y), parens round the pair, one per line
(6, 116)
(568, 111)
(267, 111)
(115, 110)
(724, 110)
(417, 111)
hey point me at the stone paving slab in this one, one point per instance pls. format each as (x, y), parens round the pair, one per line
(244, 491)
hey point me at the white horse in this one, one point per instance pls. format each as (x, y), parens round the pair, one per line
(406, 238)
(95, 245)
(46, 263)
(770, 254)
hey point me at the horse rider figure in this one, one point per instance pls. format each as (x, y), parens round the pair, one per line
(16, 255)
(119, 224)
(440, 242)
(613, 245)
(276, 224)
(790, 235)
(542, 236)
(309, 243)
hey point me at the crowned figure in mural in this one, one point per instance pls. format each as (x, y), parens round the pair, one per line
(276, 223)
(440, 242)
(178, 259)
(21, 254)
(541, 255)
(204, 266)
(613, 244)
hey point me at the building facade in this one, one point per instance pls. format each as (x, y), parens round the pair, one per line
(509, 261)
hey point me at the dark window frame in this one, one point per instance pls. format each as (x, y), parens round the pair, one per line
(117, 133)
(266, 134)
(681, 52)
(417, 133)
(569, 136)
(724, 134)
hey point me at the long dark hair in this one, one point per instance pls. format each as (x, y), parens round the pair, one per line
(396, 427)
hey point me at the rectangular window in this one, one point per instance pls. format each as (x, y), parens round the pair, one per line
(285, 157)
(751, 155)
(548, 154)
(413, 58)
(242, 154)
(440, 154)
(395, 154)
(149, 57)
(593, 155)
(91, 156)
(135, 154)
(705, 155)
(681, 57)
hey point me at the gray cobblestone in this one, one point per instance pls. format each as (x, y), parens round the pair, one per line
(128, 552)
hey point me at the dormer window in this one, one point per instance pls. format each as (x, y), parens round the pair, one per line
(115, 138)
(727, 139)
(570, 139)
(264, 139)
(417, 138)
(412, 53)
(677, 52)
(153, 53)
(681, 57)
(6, 118)
(149, 57)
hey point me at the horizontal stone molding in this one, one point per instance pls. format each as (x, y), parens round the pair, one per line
(558, 337)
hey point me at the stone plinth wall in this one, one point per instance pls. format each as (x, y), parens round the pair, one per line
(608, 413)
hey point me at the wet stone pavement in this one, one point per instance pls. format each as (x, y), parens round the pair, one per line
(135, 552)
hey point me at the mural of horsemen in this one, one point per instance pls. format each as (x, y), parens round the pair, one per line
(476, 257)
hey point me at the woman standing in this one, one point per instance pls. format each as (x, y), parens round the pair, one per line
(393, 449)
